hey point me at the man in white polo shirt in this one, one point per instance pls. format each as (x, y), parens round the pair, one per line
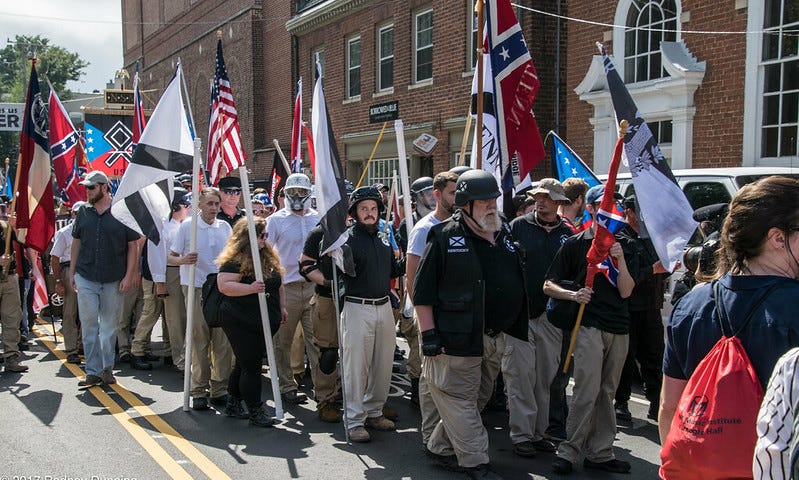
(211, 356)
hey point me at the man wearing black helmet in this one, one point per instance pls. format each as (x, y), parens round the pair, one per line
(469, 288)
(367, 322)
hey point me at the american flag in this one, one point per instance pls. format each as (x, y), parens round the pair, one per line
(224, 139)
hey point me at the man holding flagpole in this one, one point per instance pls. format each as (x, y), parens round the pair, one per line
(601, 345)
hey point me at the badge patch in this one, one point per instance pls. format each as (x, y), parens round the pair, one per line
(457, 242)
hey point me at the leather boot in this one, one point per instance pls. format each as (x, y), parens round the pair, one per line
(235, 408)
(259, 417)
(140, 363)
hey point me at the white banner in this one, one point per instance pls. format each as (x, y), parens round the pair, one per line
(11, 116)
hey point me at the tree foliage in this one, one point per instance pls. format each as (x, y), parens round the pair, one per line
(54, 63)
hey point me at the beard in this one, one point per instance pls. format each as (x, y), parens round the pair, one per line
(95, 198)
(370, 228)
(490, 222)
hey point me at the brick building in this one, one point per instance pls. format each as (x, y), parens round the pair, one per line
(416, 53)
(715, 99)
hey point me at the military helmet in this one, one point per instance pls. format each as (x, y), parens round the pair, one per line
(475, 185)
(177, 198)
(366, 193)
(460, 169)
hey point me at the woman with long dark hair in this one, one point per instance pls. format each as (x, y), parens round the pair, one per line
(241, 318)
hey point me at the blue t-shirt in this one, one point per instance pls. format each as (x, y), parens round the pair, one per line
(694, 328)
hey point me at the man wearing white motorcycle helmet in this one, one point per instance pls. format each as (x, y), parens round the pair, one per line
(286, 230)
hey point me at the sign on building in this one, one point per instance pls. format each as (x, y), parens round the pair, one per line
(383, 112)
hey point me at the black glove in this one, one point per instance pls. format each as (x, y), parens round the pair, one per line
(431, 343)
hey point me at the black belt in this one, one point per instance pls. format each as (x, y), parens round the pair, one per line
(64, 264)
(367, 301)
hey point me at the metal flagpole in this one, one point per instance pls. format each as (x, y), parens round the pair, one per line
(478, 129)
(339, 325)
(186, 101)
(259, 277)
(195, 204)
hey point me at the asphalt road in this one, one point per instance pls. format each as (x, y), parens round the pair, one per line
(137, 429)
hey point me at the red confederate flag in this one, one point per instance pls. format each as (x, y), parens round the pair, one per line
(515, 86)
(66, 151)
(35, 206)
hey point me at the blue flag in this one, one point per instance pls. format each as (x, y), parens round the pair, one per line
(567, 164)
(664, 209)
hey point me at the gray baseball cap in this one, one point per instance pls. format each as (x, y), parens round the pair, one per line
(93, 178)
(551, 187)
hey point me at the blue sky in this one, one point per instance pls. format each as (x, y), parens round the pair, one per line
(90, 28)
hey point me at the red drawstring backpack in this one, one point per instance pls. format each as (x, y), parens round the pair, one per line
(713, 432)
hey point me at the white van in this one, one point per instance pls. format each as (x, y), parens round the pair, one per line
(706, 186)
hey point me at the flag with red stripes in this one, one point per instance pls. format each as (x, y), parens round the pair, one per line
(40, 299)
(296, 128)
(66, 151)
(224, 138)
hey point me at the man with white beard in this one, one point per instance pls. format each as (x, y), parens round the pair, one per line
(469, 288)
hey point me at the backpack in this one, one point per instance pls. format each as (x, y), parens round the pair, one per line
(713, 432)
(211, 301)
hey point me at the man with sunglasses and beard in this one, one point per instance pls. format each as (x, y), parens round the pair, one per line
(230, 192)
(469, 288)
(104, 265)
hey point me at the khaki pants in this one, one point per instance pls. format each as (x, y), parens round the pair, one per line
(128, 317)
(368, 334)
(175, 316)
(69, 314)
(325, 332)
(151, 310)
(528, 369)
(591, 427)
(298, 305)
(409, 327)
(460, 388)
(10, 315)
(298, 353)
(211, 356)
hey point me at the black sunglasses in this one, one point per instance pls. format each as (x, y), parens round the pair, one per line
(91, 187)
(232, 191)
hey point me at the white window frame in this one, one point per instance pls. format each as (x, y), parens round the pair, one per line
(619, 39)
(472, 30)
(754, 84)
(417, 49)
(381, 170)
(354, 68)
(381, 59)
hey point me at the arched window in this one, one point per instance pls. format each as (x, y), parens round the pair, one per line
(649, 22)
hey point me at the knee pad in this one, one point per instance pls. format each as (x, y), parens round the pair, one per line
(327, 360)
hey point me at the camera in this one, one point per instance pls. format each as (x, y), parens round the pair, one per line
(700, 256)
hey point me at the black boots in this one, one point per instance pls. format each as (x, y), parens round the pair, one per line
(235, 408)
(259, 417)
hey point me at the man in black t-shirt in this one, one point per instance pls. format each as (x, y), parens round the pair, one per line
(600, 349)
(318, 269)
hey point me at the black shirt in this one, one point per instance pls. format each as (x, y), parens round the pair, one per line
(104, 241)
(311, 249)
(499, 264)
(246, 307)
(375, 265)
(649, 286)
(230, 220)
(606, 311)
(540, 248)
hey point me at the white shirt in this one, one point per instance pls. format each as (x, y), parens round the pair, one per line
(776, 420)
(156, 254)
(418, 237)
(287, 233)
(62, 244)
(210, 241)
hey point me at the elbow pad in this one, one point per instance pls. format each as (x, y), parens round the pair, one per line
(306, 267)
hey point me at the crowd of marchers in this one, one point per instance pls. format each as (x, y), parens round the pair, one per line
(487, 303)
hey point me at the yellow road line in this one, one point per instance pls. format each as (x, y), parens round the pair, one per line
(190, 451)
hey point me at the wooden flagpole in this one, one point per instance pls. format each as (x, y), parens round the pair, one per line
(466, 129)
(366, 168)
(282, 157)
(478, 129)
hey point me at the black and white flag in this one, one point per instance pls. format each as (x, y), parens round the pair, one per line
(664, 209)
(165, 149)
(331, 196)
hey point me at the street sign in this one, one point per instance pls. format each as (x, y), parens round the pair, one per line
(11, 116)
(383, 112)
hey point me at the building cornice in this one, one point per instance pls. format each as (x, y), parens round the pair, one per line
(323, 14)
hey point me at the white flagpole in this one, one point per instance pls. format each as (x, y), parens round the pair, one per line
(259, 276)
(186, 101)
(399, 130)
(195, 206)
